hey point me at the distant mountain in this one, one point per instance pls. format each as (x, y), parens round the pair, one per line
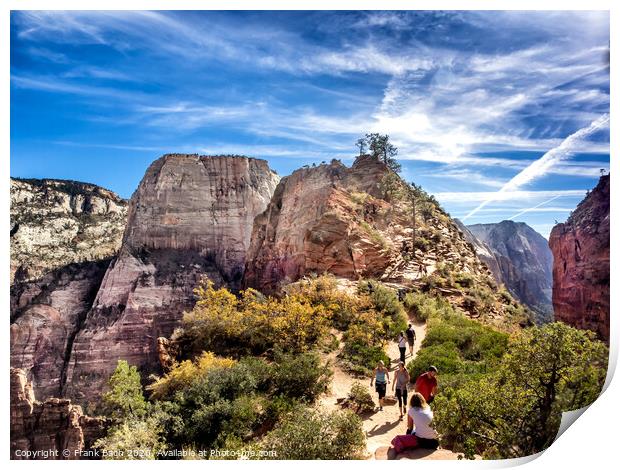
(581, 263)
(523, 259)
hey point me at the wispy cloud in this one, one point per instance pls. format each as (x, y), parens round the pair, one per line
(540, 167)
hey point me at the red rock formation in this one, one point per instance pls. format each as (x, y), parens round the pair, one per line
(312, 225)
(52, 430)
(190, 216)
(580, 249)
(46, 314)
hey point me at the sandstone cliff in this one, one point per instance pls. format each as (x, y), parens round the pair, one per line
(581, 266)
(57, 222)
(190, 216)
(52, 430)
(524, 261)
(358, 223)
(46, 315)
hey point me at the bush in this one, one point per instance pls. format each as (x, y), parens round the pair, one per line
(445, 357)
(322, 291)
(310, 434)
(361, 398)
(300, 376)
(132, 440)
(182, 375)
(515, 411)
(385, 301)
(253, 324)
(425, 306)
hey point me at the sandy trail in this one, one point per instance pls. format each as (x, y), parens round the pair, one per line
(381, 426)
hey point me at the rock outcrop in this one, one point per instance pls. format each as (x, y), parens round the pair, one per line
(314, 223)
(524, 261)
(46, 315)
(581, 266)
(55, 429)
(190, 216)
(57, 222)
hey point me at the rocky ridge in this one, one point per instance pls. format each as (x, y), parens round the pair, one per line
(190, 216)
(524, 261)
(57, 222)
(357, 222)
(581, 266)
(54, 429)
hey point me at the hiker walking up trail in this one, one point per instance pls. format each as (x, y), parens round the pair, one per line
(426, 384)
(410, 338)
(401, 379)
(381, 378)
(402, 346)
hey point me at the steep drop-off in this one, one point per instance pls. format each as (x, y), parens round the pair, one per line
(524, 260)
(580, 249)
(190, 216)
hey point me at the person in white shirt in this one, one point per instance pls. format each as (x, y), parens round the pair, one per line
(419, 419)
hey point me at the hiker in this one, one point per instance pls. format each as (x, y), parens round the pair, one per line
(381, 378)
(410, 338)
(419, 419)
(426, 384)
(402, 345)
(401, 379)
(420, 432)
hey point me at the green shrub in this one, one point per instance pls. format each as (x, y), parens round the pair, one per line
(134, 439)
(425, 306)
(515, 411)
(300, 376)
(125, 399)
(445, 357)
(310, 434)
(360, 398)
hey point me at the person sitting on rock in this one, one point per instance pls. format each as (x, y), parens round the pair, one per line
(381, 378)
(420, 432)
(419, 418)
(426, 384)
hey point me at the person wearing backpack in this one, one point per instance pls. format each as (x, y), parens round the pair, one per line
(410, 332)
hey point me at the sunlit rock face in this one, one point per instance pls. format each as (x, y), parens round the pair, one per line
(581, 266)
(57, 222)
(190, 216)
(524, 262)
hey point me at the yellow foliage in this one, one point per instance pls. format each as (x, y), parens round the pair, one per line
(221, 321)
(184, 373)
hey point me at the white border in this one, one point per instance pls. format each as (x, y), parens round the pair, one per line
(590, 443)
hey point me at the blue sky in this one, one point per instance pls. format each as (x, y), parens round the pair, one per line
(491, 111)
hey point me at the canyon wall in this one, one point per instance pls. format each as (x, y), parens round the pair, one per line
(524, 260)
(190, 216)
(57, 222)
(581, 266)
(54, 429)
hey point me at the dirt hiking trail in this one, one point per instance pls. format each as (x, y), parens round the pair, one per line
(381, 427)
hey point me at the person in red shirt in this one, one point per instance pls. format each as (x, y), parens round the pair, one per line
(426, 384)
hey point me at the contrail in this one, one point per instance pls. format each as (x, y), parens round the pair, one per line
(544, 163)
(535, 207)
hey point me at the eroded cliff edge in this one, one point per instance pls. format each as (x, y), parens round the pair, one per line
(190, 216)
(581, 266)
